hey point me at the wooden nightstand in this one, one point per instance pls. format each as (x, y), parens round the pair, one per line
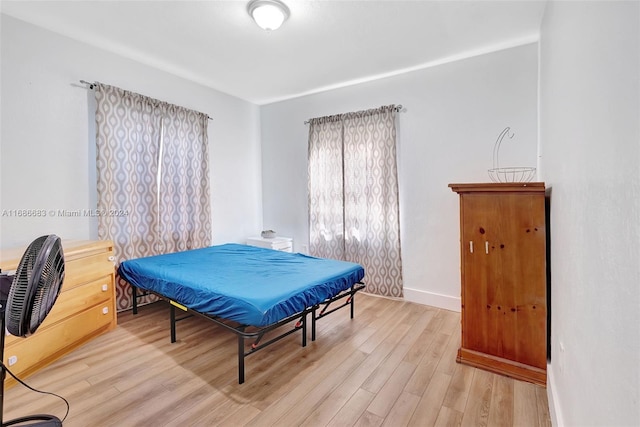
(284, 244)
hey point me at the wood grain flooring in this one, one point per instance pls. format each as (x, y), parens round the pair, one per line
(393, 365)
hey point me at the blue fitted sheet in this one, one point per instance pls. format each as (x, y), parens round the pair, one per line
(250, 285)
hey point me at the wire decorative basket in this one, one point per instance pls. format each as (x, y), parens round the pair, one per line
(508, 174)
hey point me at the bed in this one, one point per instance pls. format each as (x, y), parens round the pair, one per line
(247, 290)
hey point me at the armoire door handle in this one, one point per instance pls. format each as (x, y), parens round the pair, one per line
(486, 247)
(471, 246)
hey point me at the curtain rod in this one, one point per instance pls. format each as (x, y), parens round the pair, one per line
(398, 108)
(92, 85)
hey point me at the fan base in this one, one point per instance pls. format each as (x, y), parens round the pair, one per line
(39, 420)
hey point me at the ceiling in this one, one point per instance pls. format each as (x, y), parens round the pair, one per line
(323, 45)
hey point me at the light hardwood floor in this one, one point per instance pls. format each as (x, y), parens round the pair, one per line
(393, 365)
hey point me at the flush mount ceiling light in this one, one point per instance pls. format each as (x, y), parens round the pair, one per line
(268, 14)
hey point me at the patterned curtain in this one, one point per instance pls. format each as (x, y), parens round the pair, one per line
(326, 189)
(153, 180)
(185, 219)
(353, 194)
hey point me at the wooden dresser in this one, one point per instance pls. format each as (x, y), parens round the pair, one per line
(84, 309)
(503, 257)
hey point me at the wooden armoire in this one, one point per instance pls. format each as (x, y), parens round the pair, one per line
(503, 268)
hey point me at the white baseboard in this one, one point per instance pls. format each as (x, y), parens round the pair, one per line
(554, 405)
(435, 300)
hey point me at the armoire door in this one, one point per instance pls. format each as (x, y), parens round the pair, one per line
(504, 276)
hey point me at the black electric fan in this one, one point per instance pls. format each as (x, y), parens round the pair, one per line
(33, 292)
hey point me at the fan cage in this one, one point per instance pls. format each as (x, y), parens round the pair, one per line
(36, 286)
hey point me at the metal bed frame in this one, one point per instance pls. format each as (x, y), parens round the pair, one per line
(244, 332)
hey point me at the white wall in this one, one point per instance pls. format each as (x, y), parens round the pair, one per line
(590, 146)
(454, 112)
(47, 151)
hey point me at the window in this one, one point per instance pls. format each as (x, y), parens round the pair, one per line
(153, 177)
(353, 194)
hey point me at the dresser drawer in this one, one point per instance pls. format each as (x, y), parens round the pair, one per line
(74, 301)
(286, 246)
(45, 346)
(80, 271)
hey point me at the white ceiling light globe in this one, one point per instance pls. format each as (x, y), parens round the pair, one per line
(268, 17)
(268, 14)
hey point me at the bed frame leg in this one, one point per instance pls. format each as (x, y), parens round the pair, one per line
(134, 294)
(313, 322)
(240, 359)
(173, 323)
(304, 330)
(353, 302)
